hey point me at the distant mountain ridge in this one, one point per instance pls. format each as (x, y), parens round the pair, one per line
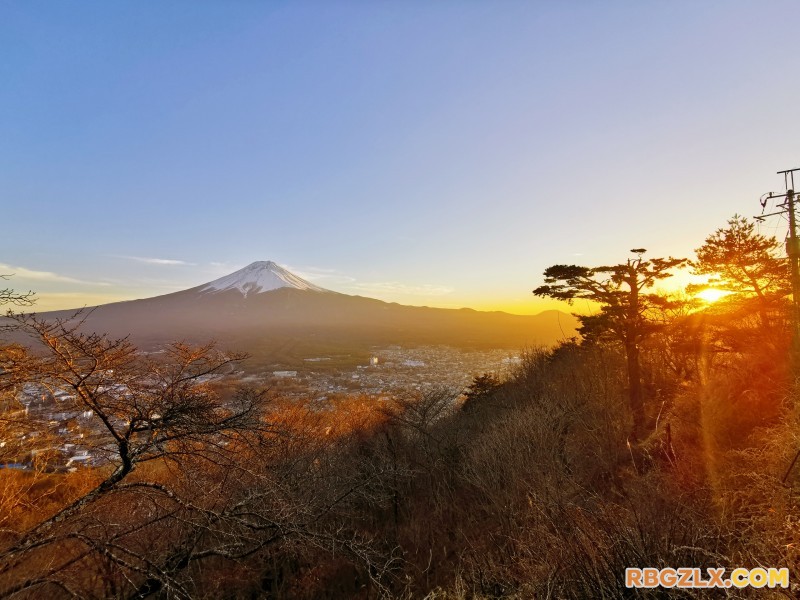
(272, 313)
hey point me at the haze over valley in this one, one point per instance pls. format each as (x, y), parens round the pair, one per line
(287, 324)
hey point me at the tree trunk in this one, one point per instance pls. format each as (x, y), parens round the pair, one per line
(635, 399)
(632, 336)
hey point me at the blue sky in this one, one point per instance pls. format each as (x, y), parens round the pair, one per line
(439, 153)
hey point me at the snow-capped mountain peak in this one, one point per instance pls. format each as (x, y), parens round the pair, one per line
(258, 277)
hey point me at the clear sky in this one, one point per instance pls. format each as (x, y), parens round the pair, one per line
(438, 153)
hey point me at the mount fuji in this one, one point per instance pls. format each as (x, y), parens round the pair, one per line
(259, 277)
(274, 315)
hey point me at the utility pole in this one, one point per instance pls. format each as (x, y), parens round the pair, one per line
(793, 252)
(792, 248)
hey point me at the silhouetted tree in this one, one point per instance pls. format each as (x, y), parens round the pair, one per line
(481, 388)
(621, 292)
(740, 260)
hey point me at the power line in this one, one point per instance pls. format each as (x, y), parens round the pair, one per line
(787, 208)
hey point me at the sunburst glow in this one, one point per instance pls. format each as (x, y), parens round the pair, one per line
(711, 295)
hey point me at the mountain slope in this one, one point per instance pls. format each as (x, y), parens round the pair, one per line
(263, 308)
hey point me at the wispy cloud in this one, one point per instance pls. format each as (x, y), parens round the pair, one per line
(31, 274)
(322, 275)
(159, 261)
(395, 287)
(319, 270)
(74, 300)
(333, 277)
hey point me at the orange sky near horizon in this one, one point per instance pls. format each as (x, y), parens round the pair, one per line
(516, 304)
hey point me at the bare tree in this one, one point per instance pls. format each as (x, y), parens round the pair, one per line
(193, 487)
(10, 296)
(143, 412)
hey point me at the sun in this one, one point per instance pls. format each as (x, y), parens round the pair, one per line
(711, 295)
